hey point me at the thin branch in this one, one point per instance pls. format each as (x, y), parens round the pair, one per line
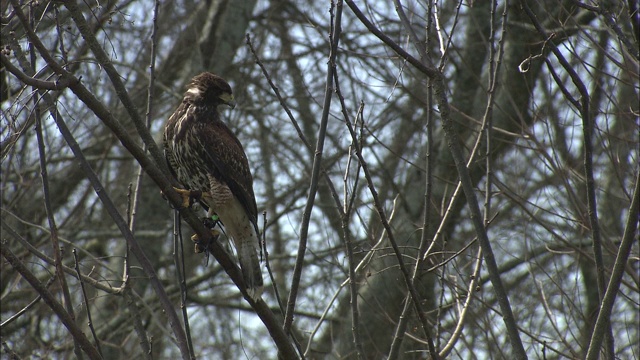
(602, 323)
(165, 186)
(612, 22)
(86, 302)
(394, 245)
(276, 293)
(121, 223)
(50, 300)
(276, 91)
(417, 43)
(334, 38)
(361, 265)
(353, 285)
(453, 142)
(12, 354)
(403, 320)
(7, 229)
(116, 80)
(17, 315)
(475, 277)
(57, 256)
(427, 70)
(34, 82)
(587, 131)
(423, 50)
(178, 261)
(163, 181)
(134, 313)
(130, 301)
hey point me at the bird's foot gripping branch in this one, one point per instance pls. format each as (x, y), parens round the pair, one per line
(210, 222)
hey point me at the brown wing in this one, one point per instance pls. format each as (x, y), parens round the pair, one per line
(228, 162)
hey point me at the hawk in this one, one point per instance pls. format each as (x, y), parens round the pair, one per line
(206, 157)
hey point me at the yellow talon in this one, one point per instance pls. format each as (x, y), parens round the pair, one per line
(196, 239)
(188, 196)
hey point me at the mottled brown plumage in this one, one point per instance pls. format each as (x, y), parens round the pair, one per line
(205, 155)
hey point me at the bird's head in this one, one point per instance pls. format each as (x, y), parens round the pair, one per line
(210, 90)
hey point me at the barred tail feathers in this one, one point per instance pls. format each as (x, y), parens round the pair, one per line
(244, 235)
(250, 265)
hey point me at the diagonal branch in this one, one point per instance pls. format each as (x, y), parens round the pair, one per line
(50, 300)
(163, 182)
(116, 80)
(606, 308)
(453, 141)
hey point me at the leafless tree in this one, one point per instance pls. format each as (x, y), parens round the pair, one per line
(438, 180)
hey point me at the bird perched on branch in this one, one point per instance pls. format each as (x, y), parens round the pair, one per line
(210, 163)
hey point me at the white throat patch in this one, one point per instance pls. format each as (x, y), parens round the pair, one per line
(194, 91)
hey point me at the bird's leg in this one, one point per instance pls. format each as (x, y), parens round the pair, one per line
(188, 196)
(210, 222)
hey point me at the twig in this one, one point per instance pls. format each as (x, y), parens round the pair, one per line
(165, 185)
(150, 87)
(487, 125)
(394, 245)
(84, 95)
(34, 82)
(417, 43)
(444, 56)
(276, 91)
(86, 302)
(427, 70)
(295, 124)
(348, 204)
(606, 307)
(353, 285)
(124, 229)
(334, 37)
(130, 216)
(28, 306)
(116, 80)
(50, 300)
(12, 354)
(453, 142)
(323, 316)
(611, 21)
(367, 258)
(7, 229)
(57, 256)
(178, 261)
(268, 264)
(587, 132)
(475, 277)
(303, 138)
(424, 240)
(137, 320)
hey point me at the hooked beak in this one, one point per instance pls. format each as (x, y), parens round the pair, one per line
(228, 100)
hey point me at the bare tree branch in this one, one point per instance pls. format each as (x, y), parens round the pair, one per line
(48, 298)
